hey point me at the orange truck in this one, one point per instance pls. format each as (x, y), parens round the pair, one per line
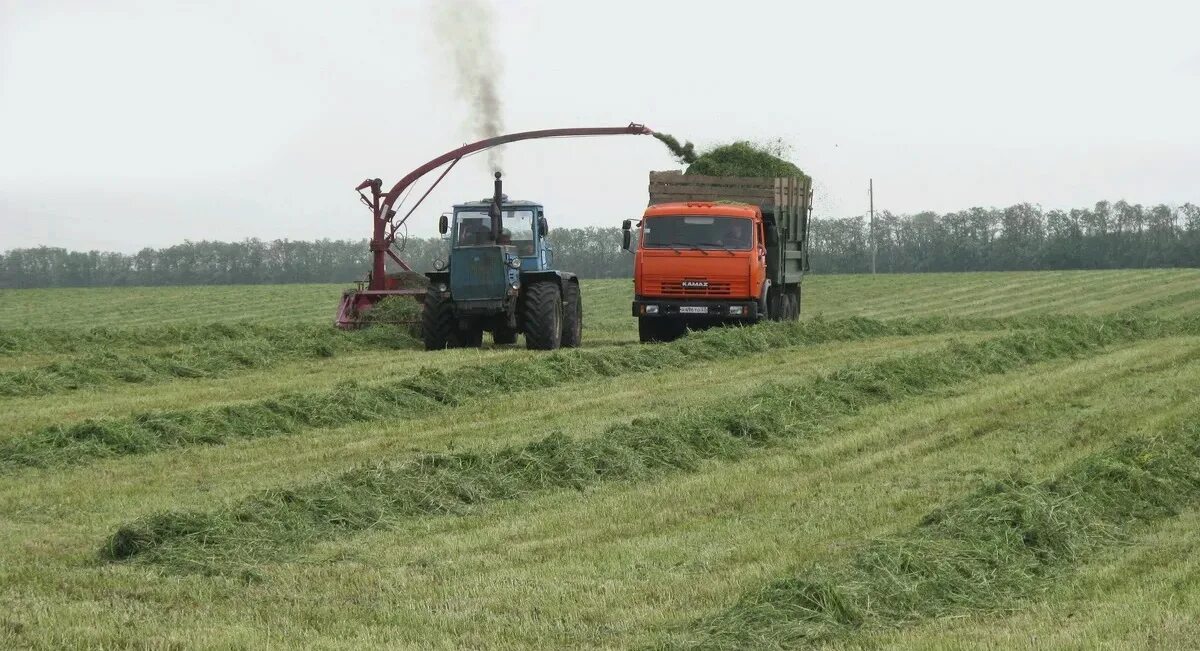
(713, 250)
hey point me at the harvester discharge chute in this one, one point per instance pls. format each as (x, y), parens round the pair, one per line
(379, 284)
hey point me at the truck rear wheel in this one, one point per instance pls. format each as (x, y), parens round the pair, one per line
(439, 325)
(572, 332)
(542, 315)
(777, 304)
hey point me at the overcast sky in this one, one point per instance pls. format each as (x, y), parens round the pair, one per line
(131, 124)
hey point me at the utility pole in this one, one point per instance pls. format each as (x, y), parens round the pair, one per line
(874, 246)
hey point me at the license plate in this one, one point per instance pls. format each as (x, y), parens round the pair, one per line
(691, 309)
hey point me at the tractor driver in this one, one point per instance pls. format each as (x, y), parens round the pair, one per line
(472, 232)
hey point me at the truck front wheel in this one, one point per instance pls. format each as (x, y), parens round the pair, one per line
(542, 315)
(657, 329)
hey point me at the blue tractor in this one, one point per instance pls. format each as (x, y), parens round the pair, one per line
(499, 279)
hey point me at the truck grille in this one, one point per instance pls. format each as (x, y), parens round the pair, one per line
(693, 287)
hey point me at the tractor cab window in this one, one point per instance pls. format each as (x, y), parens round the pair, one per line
(474, 229)
(518, 230)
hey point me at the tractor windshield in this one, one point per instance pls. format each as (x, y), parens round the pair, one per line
(475, 229)
(697, 231)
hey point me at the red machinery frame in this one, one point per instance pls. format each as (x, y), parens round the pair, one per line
(386, 225)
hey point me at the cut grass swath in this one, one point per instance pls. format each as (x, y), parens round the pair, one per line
(432, 389)
(274, 522)
(202, 360)
(992, 548)
(15, 341)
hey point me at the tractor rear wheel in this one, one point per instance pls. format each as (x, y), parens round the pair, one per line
(572, 332)
(542, 315)
(439, 325)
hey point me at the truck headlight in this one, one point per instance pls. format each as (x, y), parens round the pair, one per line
(515, 263)
(651, 309)
(442, 287)
(735, 310)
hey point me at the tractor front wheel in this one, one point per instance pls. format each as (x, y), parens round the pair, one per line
(572, 332)
(439, 325)
(542, 315)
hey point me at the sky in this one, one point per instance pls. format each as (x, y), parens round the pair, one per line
(133, 124)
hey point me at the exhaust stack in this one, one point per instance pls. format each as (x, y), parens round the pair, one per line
(495, 210)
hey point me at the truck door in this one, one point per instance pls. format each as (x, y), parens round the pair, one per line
(759, 271)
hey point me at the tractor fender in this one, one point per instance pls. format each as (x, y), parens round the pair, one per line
(560, 277)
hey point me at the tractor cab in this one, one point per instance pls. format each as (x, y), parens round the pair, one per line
(522, 227)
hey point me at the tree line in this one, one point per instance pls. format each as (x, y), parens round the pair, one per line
(1020, 237)
(590, 252)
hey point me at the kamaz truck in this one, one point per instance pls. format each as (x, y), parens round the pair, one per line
(717, 250)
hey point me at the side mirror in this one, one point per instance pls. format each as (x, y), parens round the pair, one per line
(443, 224)
(626, 236)
(543, 226)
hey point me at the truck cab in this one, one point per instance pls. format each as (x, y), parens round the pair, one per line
(702, 261)
(738, 258)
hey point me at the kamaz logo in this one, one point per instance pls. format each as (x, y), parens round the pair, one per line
(695, 284)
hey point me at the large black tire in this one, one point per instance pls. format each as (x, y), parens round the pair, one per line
(776, 304)
(799, 299)
(572, 331)
(653, 330)
(504, 335)
(542, 315)
(648, 330)
(439, 325)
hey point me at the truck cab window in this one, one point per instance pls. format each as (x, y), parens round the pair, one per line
(696, 231)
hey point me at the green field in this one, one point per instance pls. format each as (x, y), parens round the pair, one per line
(1005, 460)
